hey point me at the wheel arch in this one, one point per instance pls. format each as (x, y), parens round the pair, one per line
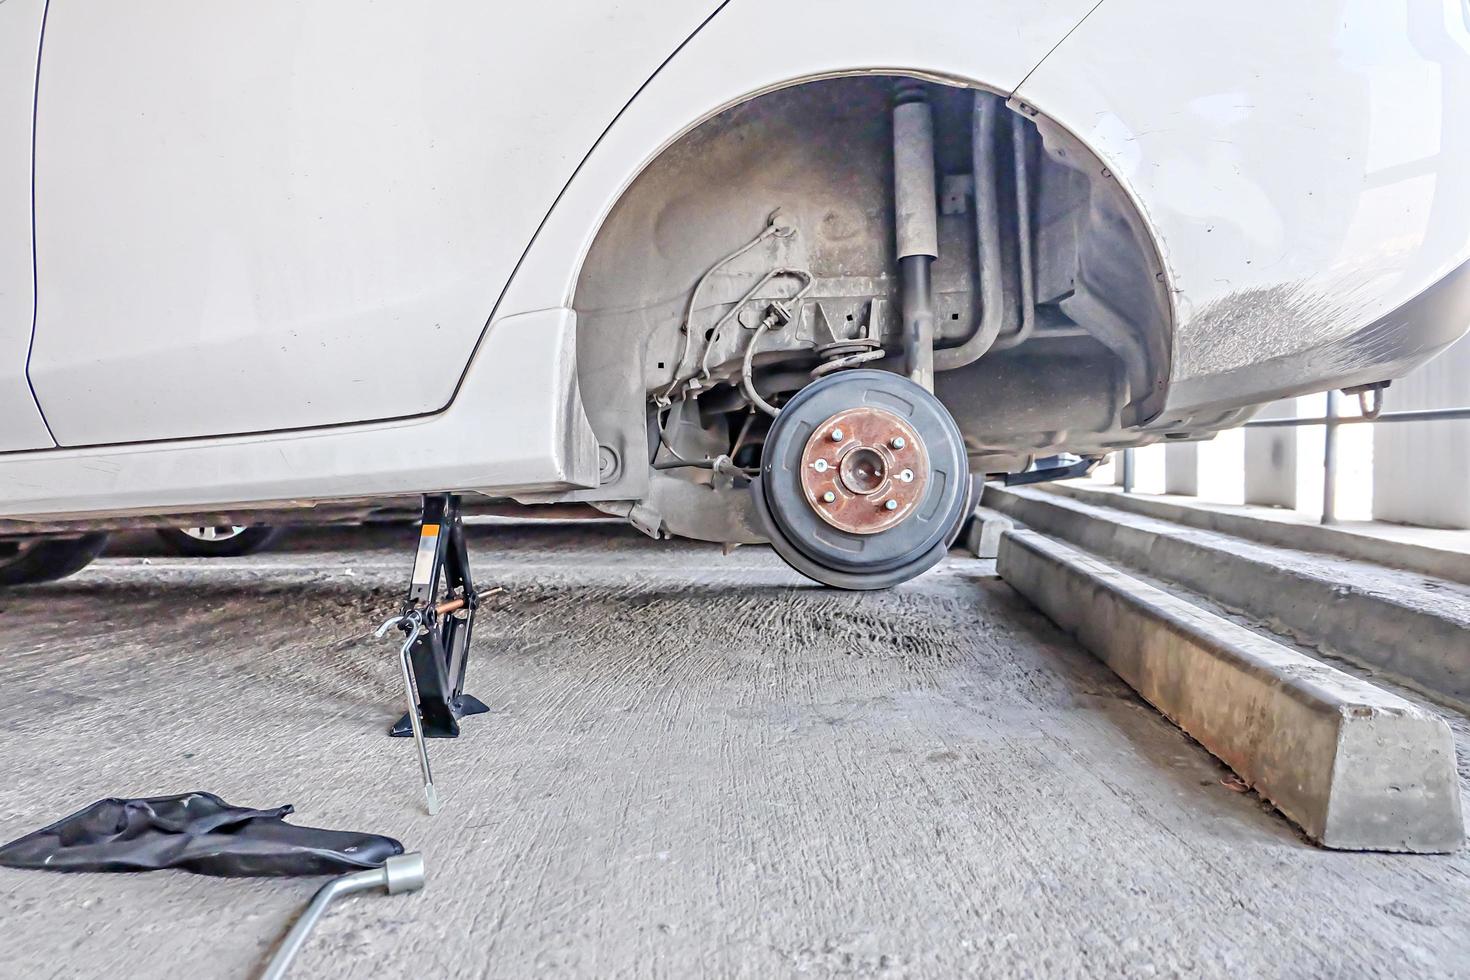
(712, 74)
(708, 78)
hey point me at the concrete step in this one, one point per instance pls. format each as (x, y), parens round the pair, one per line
(1428, 551)
(981, 534)
(1414, 626)
(1355, 766)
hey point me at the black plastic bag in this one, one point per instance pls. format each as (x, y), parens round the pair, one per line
(196, 832)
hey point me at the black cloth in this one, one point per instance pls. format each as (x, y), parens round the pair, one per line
(197, 832)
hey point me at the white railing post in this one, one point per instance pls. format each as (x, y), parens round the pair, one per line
(1181, 468)
(1271, 459)
(1421, 470)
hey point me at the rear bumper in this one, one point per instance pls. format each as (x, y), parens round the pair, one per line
(1389, 347)
(1304, 170)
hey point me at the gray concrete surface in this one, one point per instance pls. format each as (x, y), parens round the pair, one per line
(1354, 765)
(1411, 625)
(1428, 551)
(697, 766)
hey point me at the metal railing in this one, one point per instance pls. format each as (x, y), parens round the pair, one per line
(1332, 421)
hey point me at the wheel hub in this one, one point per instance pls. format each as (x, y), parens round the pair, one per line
(864, 480)
(864, 470)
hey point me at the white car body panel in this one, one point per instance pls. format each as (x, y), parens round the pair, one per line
(509, 427)
(277, 215)
(1140, 84)
(21, 425)
(1305, 167)
(349, 461)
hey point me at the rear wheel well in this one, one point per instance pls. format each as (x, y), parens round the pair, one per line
(1081, 358)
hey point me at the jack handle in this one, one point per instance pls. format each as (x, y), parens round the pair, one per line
(412, 624)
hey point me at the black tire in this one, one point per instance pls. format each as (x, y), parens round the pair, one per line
(47, 559)
(247, 542)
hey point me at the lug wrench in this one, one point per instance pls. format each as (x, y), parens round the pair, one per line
(400, 873)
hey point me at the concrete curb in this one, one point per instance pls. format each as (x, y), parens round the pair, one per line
(1380, 617)
(1327, 539)
(1356, 767)
(982, 534)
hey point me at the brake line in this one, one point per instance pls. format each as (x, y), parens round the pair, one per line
(771, 229)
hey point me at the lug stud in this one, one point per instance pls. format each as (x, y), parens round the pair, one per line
(907, 476)
(898, 442)
(820, 466)
(828, 497)
(836, 435)
(890, 505)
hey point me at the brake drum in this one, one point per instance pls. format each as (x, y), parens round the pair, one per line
(863, 480)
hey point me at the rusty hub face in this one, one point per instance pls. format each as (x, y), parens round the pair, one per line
(864, 470)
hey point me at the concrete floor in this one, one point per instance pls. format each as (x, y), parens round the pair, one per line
(697, 766)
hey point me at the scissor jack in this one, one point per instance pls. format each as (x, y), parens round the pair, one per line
(437, 619)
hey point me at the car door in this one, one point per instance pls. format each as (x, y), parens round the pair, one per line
(285, 214)
(21, 425)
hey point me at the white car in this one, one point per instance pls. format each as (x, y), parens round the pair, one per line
(738, 271)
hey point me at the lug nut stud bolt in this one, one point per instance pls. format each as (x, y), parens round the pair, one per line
(828, 497)
(820, 466)
(898, 442)
(836, 435)
(891, 505)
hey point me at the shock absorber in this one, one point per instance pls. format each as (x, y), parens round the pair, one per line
(916, 220)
